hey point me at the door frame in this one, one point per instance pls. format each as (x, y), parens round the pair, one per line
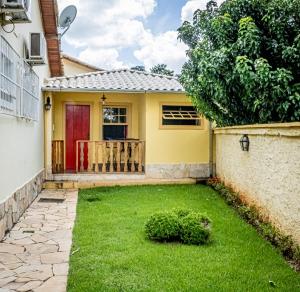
(65, 123)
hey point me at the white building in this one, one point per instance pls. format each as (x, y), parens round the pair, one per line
(21, 100)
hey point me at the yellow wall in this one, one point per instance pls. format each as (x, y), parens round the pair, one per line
(169, 145)
(73, 68)
(166, 145)
(93, 99)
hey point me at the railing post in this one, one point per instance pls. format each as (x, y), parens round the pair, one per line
(140, 159)
(96, 145)
(125, 156)
(104, 157)
(62, 165)
(118, 157)
(111, 157)
(89, 156)
(81, 156)
(132, 156)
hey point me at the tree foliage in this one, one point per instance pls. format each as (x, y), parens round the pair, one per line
(244, 61)
(138, 68)
(161, 69)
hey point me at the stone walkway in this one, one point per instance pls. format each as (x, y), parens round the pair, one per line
(34, 256)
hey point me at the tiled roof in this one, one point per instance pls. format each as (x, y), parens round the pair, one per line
(115, 80)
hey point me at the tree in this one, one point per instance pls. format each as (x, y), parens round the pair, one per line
(161, 69)
(138, 68)
(244, 61)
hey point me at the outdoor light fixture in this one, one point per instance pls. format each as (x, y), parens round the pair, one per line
(48, 104)
(244, 142)
(103, 98)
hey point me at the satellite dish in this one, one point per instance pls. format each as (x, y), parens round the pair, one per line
(66, 18)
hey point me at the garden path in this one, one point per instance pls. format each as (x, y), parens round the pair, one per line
(34, 255)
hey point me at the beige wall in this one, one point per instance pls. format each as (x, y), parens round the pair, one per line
(73, 68)
(269, 174)
(21, 147)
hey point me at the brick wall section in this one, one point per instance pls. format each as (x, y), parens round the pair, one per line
(269, 174)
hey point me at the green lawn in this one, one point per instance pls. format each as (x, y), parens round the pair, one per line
(113, 254)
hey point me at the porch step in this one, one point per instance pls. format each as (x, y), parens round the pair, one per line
(60, 185)
(56, 185)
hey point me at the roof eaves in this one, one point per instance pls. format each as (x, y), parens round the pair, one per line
(49, 12)
(59, 89)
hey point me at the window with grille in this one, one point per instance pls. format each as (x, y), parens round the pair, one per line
(180, 115)
(115, 122)
(30, 98)
(19, 84)
(10, 79)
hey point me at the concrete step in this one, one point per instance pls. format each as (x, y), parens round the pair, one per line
(60, 185)
(56, 185)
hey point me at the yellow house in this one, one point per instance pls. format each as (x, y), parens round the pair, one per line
(123, 122)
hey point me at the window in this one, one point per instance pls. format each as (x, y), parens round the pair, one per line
(115, 122)
(10, 80)
(19, 85)
(114, 115)
(180, 115)
(30, 101)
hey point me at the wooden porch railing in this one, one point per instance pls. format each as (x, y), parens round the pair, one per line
(58, 156)
(110, 156)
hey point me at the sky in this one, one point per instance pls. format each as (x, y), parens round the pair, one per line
(115, 34)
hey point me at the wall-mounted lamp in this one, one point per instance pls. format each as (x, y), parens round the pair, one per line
(103, 98)
(245, 143)
(48, 104)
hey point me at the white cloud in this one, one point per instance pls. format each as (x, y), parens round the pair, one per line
(104, 28)
(164, 48)
(191, 6)
(109, 58)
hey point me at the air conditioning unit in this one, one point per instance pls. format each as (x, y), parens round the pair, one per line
(18, 11)
(37, 49)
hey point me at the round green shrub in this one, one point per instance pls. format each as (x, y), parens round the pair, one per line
(163, 227)
(180, 213)
(195, 229)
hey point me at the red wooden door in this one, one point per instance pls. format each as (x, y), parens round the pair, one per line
(77, 128)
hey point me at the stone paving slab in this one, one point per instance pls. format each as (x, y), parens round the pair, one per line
(34, 255)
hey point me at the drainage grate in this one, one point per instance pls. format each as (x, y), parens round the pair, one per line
(51, 200)
(28, 231)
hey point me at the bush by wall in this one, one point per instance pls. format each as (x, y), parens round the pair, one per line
(289, 249)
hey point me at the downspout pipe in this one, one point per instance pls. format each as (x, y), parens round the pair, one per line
(211, 149)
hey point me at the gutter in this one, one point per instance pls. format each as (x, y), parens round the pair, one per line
(80, 90)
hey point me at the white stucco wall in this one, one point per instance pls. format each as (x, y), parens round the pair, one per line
(269, 174)
(22, 142)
